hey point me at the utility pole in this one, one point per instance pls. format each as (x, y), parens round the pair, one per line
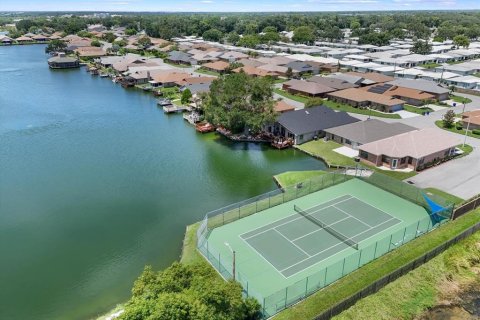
(466, 132)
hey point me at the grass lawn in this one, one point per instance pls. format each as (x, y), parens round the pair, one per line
(285, 94)
(324, 150)
(280, 80)
(290, 178)
(355, 281)
(419, 110)
(431, 65)
(459, 99)
(439, 124)
(423, 288)
(348, 108)
(178, 65)
(447, 196)
(190, 253)
(208, 72)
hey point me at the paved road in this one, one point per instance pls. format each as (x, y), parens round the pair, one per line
(460, 177)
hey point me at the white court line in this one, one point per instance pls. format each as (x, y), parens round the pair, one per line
(317, 230)
(381, 209)
(295, 214)
(261, 255)
(291, 242)
(333, 247)
(354, 217)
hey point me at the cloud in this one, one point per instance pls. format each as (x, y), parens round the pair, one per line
(206, 1)
(344, 1)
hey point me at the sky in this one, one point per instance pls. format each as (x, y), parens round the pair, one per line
(235, 5)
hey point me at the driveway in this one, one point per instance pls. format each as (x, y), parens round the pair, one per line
(460, 177)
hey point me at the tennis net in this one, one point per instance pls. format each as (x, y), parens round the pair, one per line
(326, 227)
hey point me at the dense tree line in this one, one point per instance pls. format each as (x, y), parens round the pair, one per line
(188, 292)
(374, 28)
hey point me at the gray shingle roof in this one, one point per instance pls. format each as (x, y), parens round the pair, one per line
(369, 130)
(314, 119)
(422, 85)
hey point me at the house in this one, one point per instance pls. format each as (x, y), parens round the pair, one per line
(281, 107)
(6, 40)
(465, 82)
(361, 99)
(232, 56)
(195, 80)
(332, 82)
(61, 61)
(471, 120)
(168, 79)
(410, 96)
(217, 66)
(90, 52)
(24, 39)
(196, 88)
(306, 88)
(96, 28)
(302, 67)
(414, 149)
(372, 76)
(40, 38)
(306, 124)
(362, 132)
(433, 88)
(255, 71)
(277, 69)
(179, 57)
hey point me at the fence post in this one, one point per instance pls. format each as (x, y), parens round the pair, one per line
(219, 264)
(223, 218)
(325, 280)
(286, 297)
(375, 252)
(208, 252)
(360, 259)
(416, 232)
(390, 243)
(306, 287)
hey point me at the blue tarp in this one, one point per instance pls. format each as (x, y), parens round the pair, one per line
(435, 208)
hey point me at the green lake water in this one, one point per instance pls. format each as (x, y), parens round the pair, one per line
(96, 182)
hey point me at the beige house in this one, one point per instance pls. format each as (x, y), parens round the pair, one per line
(471, 120)
(415, 149)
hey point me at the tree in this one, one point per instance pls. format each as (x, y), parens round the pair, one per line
(188, 292)
(84, 34)
(289, 72)
(109, 37)
(130, 32)
(303, 34)
(270, 29)
(421, 47)
(212, 35)
(270, 37)
(239, 102)
(121, 43)
(56, 46)
(461, 41)
(186, 96)
(233, 37)
(448, 119)
(249, 41)
(145, 42)
(95, 43)
(313, 102)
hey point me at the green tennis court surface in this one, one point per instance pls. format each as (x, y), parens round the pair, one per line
(278, 248)
(294, 243)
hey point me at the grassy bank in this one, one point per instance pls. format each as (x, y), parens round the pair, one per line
(325, 151)
(439, 123)
(352, 283)
(436, 282)
(445, 195)
(419, 110)
(294, 97)
(459, 99)
(290, 178)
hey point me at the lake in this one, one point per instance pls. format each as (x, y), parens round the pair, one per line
(96, 182)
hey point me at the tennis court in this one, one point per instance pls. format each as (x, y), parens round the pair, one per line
(306, 237)
(292, 242)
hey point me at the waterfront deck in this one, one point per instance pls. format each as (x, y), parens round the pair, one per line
(174, 108)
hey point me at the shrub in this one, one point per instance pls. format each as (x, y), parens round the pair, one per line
(476, 131)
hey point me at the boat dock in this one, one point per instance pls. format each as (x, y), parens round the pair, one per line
(174, 108)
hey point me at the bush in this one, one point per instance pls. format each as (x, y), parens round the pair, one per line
(459, 127)
(476, 131)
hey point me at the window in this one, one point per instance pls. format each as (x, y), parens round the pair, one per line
(363, 154)
(403, 160)
(301, 137)
(385, 159)
(348, 141)
(420, 161)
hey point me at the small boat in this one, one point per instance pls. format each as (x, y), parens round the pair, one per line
(204, 127)
(103, 75)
